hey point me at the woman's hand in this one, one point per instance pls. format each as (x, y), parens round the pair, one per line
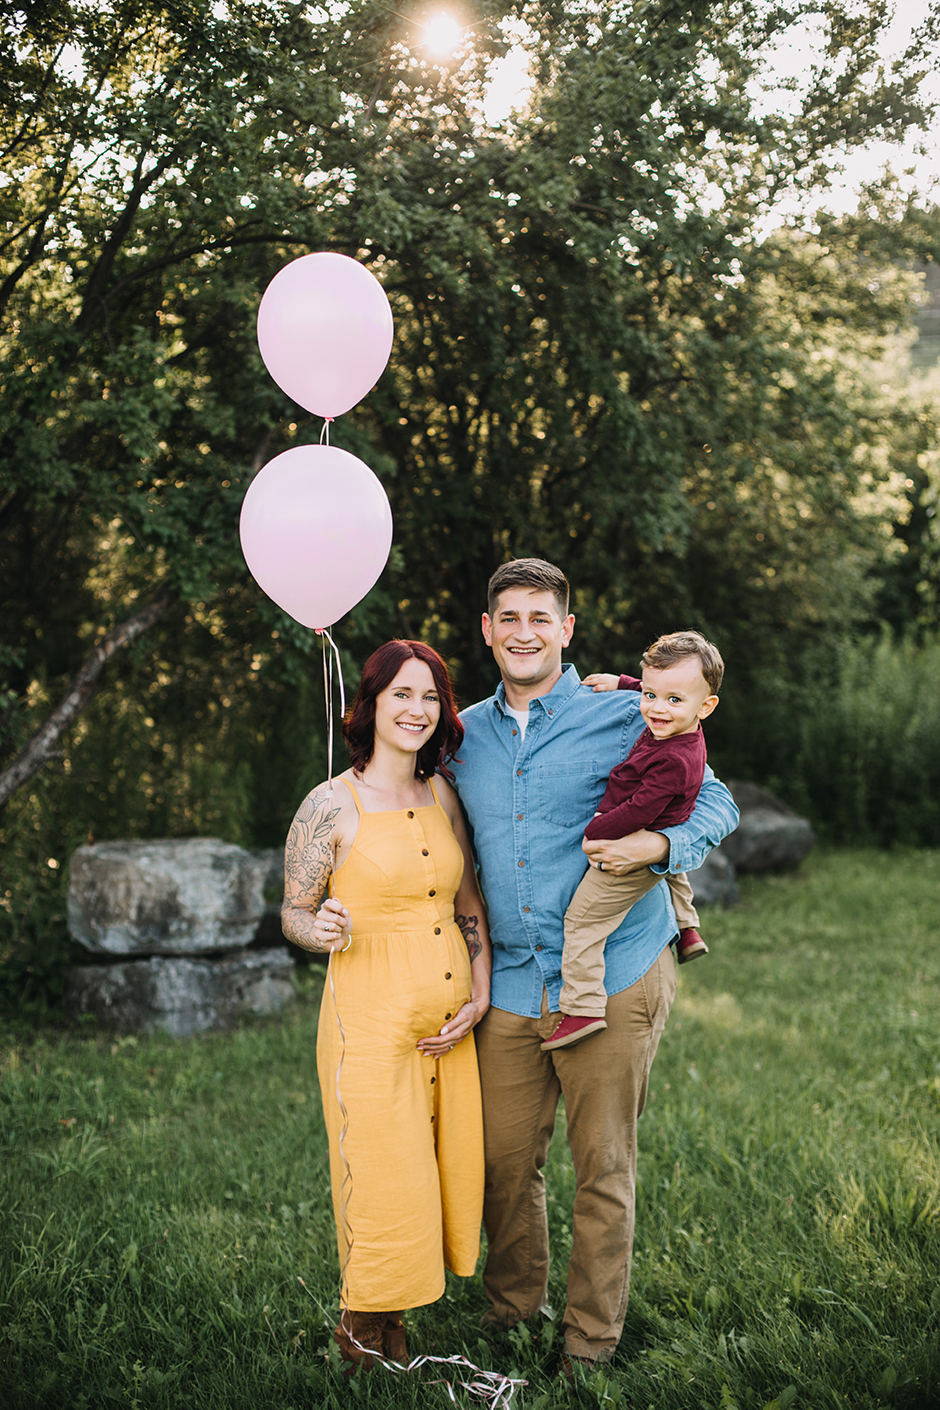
(455, 1029)
(332, 925)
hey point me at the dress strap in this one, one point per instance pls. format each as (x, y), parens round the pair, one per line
(359, 808)
(434, 792)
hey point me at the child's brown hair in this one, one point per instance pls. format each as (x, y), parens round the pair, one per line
(679, 646)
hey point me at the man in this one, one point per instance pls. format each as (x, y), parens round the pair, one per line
(532, 767)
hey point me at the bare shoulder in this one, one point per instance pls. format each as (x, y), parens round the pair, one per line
(446, 792)
(317, 807)
(450, 802)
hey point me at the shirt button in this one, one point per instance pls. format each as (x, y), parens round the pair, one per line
(525, 908)
(447, 975)
(522, 864)
(432, 892)
(538, 947)
(519, 817)
(437, 930)
(515, 731)
(518, 773)
(424, 851)
(551, 712)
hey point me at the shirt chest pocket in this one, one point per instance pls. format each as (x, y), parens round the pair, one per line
(568, 792)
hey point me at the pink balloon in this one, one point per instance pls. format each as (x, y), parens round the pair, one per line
(325, 332)
(316, 528)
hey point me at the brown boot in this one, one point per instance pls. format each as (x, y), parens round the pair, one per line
(394, 1345)
(359, 1338)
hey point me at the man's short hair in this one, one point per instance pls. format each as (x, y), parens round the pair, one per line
(528, 573)
(669, 650)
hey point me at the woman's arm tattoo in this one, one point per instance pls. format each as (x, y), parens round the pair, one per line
(470, 927)
(308, 860)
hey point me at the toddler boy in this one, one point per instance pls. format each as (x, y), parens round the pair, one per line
(655, 787)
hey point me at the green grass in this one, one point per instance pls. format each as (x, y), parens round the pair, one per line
(166, 1235)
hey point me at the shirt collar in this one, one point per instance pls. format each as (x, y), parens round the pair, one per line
(566, 686)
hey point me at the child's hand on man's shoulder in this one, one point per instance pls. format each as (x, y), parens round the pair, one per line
(600, 682)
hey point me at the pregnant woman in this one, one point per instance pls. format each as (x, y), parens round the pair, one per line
(411, 974)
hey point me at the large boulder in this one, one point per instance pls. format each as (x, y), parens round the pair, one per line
(182, 996)
(170, 897)
(269, 928)
(770, 836)
(714, 883)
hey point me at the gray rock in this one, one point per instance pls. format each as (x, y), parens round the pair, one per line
(770, 836)
(714, 883)
(182, 996)
(169, 897)
(269, 928)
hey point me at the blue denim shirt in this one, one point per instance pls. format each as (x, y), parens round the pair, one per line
(528, 802)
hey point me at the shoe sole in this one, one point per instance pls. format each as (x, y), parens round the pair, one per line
(693, 953)
(549, 1045)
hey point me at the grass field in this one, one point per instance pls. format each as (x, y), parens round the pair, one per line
(166, 1236)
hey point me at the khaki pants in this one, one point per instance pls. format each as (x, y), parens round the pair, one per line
(604, 1084)
(597, 908)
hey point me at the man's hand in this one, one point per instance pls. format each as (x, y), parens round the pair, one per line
(599, 681)
(623, 854)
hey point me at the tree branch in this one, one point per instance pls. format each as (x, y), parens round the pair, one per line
(41, 746)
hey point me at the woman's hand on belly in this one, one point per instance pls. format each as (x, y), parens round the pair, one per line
(455, 1030)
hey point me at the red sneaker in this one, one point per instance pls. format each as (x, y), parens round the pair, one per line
(572, 1030)
(690, 946)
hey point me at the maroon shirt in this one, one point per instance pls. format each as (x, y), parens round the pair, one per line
(656, 785)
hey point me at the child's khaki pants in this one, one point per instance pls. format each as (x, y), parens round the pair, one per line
(597, 908)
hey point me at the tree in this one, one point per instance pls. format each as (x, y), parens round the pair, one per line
(590, 360)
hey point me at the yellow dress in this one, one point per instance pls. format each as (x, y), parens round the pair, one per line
(414, 1141)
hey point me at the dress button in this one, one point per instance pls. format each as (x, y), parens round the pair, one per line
(447, 1015)
(432, 892)
(410, 813)
(424, 851)
(448, 975)
(437, 930)
(433, 1080)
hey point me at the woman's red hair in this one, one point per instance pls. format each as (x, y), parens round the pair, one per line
(377, 674)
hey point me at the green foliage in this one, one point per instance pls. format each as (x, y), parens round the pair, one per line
(167, 1233)
(848, 735)
(599, 357)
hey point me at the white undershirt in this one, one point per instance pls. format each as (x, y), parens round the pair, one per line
(522, 716)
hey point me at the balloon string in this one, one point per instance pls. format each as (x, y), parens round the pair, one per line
(325, 433)
(328, 661)
(345, 1191)
(491, 1386)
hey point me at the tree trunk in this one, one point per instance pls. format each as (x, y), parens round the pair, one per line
(41, 746)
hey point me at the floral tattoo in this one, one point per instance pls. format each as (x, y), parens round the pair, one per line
(470, 928)
(308, 860)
